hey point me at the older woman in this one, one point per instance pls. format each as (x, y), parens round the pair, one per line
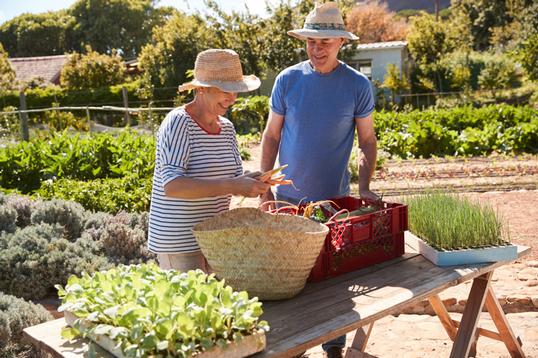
(198, 166)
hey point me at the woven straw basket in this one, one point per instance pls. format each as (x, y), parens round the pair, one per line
(269, 256)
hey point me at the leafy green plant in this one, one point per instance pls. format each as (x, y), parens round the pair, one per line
(449, 222)
(249, 114)
(111, 195)
(149, 311)
(60, 120)
(9, 123)
(63, 155)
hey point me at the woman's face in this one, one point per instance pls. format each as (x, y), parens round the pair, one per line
(323, 53)
(218, 101)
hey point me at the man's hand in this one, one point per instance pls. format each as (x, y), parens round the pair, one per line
(267, 201)
(369, 196)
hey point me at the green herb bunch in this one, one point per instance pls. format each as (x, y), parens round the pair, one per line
(148, 311)
(450, 222)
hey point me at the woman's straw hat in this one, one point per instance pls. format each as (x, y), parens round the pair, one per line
(325, 21)
(221, 69)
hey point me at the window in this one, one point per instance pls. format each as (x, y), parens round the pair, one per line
(365, 67)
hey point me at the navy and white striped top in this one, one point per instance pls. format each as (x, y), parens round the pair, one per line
(185, 150)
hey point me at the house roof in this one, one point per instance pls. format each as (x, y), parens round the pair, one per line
(382, 45)
(46, 67)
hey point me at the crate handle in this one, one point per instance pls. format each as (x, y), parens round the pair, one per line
(342, 211)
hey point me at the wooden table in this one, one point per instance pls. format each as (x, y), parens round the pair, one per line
(354, 301)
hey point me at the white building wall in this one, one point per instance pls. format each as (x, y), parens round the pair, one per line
(381, 58)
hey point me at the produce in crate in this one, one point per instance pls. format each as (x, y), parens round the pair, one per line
(142, 310)
(362, 233)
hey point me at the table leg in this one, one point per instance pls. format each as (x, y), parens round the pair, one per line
(505, 332)
(466, 332)
(359, 342)
(442, 313)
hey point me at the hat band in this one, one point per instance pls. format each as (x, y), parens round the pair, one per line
(324, 26)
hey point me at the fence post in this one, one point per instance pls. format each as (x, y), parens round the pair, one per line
(126, 105)
(23, 116)
(88, 118)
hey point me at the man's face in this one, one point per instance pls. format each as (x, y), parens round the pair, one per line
(323, 53)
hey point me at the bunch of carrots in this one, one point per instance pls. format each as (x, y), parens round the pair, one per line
(274, 178)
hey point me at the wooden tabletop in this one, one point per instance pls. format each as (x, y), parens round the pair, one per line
(323, 310)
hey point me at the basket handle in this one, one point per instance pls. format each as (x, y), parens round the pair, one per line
(287, 206)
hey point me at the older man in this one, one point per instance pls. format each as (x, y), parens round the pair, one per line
(315, 107)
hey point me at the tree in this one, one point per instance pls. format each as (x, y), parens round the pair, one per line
(395, 81)
(7, 75)
(499, 73)
(241, 32)
(49, 33)
(373, 22)
(173, 49)
(92, 70)
(481, 17)
(125, 25)
(527, 54)
(428, 41)
(284, 50)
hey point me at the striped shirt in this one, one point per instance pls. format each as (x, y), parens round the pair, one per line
(185, 150)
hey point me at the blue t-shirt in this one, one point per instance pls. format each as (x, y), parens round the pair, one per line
(319, 126)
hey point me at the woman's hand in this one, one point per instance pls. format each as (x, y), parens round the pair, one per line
(246, 185)
(268, 196)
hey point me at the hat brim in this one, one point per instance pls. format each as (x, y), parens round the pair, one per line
(303, 34)
(249, 83)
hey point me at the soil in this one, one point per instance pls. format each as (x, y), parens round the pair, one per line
(508, 184)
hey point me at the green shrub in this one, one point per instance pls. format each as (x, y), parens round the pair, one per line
(92, 70)
(249, 114)
(15, 315)
(34, 259)
(60, 120)
(24, 208)
(458, 131)
(112, 195)
(25, 165)
(8, 218)
(9, 123)
(122, 238)
(67, 214)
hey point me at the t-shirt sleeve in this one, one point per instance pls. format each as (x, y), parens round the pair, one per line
(277, 102)
(174, 149)
(365, 99)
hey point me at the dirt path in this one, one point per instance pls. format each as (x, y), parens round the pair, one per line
(508, 184)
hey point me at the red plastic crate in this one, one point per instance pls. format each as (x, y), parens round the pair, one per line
(360, 241)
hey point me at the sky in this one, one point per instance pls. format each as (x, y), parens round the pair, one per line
(12, 8)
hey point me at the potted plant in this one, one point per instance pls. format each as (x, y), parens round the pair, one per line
(451, 230)
(142, 310)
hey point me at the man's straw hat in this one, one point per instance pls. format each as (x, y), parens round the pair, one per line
(325, 21)
(221, 69)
